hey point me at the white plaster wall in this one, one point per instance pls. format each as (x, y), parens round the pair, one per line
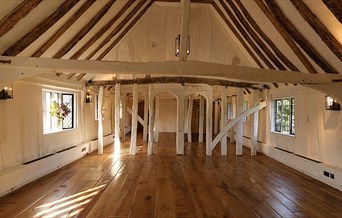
(21, 125)
(168, 115)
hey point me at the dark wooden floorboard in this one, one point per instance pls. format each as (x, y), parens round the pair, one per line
(167, 185)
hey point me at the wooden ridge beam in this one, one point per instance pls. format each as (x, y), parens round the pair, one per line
(18, 13)
(41, 28)
(117, 29)
(255, 36)
(103, 30)
(252, 22)
(21, 67)
(286, 36)
(335, 6)
(298, 37)
(125, 31)
(79, 36)
(237, 35)
(179, 79)
(62, 29)
(319, 28)
(246, 36)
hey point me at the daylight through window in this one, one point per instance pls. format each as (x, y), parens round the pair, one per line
(284, 116)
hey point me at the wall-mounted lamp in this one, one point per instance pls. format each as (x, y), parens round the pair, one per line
(177, 45)
(6, 93)
(331, 104)
(88, 97)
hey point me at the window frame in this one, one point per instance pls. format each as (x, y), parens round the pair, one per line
(46, 111)
(291, 116)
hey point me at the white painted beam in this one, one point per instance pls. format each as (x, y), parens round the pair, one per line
(140, 120)
(216, 117)
(180, 125)
(145, 116)
(255, 124)
(201, 120)
(209, 121)
(117, 120)
(189, 118)
(236, 120)
(156, 118)
(223, 120)
(239, 127)
(123, 117)
(150, 118)
(100, 121)
(133, 149)
(21, 67)
(185, 10)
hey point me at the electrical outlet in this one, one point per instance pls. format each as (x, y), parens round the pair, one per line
(332, 176)
(327, 174)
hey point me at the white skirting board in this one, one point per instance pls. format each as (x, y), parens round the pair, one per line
(308, 167)
(18, 176)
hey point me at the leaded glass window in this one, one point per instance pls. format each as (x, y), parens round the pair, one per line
(284, 116)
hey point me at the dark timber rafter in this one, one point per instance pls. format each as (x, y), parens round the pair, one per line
(125, 31)
(179, 79)
(19, 12)
(103, 30)
(37, 31)
(255, 36)
(286, 36)
(117, 29)
(246, 36)
(64, 28)
(296, 36)
(84, 30)
(319, 27)
(265, 37)
(335, 6)
(237, 35)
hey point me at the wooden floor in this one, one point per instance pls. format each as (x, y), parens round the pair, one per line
(166, 185)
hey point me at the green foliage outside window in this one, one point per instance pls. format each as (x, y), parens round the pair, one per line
(284, 116)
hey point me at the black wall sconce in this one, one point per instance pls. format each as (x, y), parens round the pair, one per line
(331, 104)
(6, 93)
(88, 97)
(177, 46)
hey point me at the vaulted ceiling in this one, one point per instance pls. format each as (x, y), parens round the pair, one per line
(290, 35)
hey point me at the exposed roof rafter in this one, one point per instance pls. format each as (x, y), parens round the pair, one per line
(41, 28)
(19, 12)
(335, 6)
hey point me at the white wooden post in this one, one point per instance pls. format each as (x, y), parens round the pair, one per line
(201, 120)
(189, 117)
(239, 128)
(156, 122)
(232, 130)
(134, 120)
(255, 122)
(185, 10)
(223, 120)
(209, 121)
(216, 117)
(180, 125)
(123, 116)
(145, 117)
(151, 118)
(267, 98)
(100, 122)
(117, 120)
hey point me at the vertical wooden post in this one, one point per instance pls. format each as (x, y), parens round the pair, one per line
(267, 98)
(180, 125)
(185, 10)
(100, 126)
(123, 116)
(216, 117)
(223, 120)
(145, 117)
(209, 121)
(117, 120)
(201, 120)
(239, 128)
(232, 130)
(151, 118)
(156, 122)
(134, 120)
(255, 122)
(189, 117)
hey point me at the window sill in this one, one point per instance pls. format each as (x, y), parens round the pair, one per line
(58, 131)
(283, 134)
